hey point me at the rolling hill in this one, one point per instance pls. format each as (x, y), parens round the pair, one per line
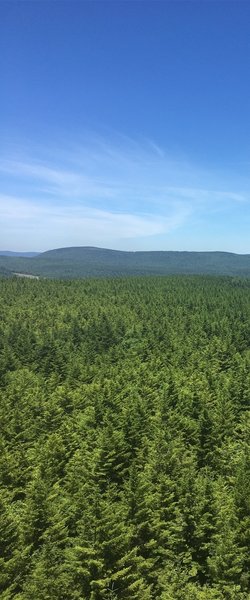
(77, 262)
(15, 254)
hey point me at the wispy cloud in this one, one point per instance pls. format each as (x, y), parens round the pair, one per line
(61, 224)
(106, 192)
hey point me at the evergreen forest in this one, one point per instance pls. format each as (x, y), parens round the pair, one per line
(84, 261)
(125, 438)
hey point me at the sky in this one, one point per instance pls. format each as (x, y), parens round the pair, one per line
(125, 124)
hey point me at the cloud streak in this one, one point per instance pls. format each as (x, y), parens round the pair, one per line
(83, 224)
(106, 192)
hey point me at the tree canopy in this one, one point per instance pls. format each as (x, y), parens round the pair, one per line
(125, 439)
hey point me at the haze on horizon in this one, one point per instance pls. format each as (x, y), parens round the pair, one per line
(125, 125)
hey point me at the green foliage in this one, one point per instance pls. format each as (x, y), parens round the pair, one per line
(74, 262)
(125, 439)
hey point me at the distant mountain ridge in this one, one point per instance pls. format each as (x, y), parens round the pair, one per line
(89, 261)
(21, 254)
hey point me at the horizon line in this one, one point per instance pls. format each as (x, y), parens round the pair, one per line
(37, 252)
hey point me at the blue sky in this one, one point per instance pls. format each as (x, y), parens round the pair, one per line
(125, 124)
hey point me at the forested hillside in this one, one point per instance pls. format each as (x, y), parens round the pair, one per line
(125, 444)
(76, 262)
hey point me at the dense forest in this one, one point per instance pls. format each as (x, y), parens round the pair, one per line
(125, 439)
(84, 261)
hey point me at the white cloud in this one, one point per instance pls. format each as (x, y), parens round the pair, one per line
(82, 224)
(103, 191)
